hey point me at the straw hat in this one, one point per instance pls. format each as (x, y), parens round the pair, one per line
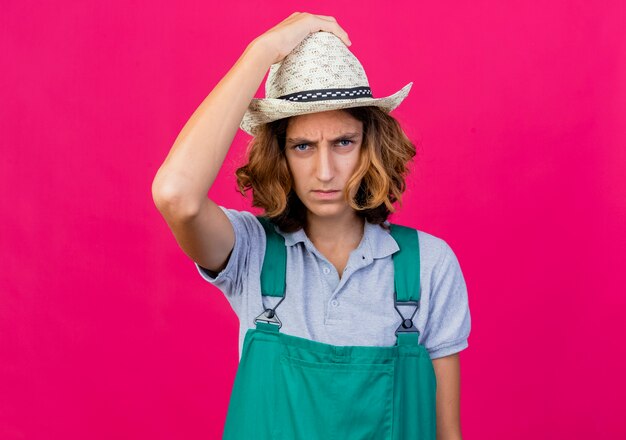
(319, 74)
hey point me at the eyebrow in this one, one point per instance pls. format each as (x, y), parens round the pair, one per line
(300, 140)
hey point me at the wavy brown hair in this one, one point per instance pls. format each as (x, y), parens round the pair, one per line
(385, 155)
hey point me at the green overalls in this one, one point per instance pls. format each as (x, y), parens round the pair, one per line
(292, 388)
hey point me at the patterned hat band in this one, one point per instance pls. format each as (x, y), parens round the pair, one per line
(328, 94)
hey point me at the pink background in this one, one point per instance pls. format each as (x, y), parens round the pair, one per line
(107, 330)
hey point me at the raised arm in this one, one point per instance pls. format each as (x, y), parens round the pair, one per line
(181, 184)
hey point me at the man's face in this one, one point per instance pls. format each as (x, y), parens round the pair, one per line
(323, 151)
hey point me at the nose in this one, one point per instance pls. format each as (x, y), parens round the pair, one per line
(324, 167)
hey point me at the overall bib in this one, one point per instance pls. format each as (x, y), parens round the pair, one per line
(291, 388)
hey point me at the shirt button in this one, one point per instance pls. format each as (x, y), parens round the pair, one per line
(335, 302)
(326, 270)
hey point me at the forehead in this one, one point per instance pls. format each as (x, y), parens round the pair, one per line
(329, 122)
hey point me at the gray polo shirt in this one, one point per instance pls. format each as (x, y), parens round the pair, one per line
(357, 309)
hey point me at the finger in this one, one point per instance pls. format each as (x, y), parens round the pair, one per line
(338, 30)
(326, 17)
(331, 25)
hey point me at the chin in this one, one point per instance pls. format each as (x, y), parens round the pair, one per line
(327, 209)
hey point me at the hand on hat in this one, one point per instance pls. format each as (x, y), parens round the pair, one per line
(282, 38)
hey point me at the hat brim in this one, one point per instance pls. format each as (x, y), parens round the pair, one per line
(264, 110)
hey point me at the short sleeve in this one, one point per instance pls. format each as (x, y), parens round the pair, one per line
(249, 243)
(448, 324)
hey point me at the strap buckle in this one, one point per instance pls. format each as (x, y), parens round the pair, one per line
(269, 316)
(407, 325)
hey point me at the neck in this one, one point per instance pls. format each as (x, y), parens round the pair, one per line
(336, 232)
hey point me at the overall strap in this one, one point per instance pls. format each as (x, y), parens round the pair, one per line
(273, 274)
(275, 261)
(406, 263)
(406, 275)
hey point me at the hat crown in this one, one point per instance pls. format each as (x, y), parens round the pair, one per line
(321, 61)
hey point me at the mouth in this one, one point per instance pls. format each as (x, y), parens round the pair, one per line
(329, 194)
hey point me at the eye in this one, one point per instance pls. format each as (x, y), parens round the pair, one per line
(295, 147)
(346, 140)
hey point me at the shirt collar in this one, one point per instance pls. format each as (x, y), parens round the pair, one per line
(376, 242)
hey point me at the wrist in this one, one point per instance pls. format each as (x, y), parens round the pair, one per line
(261, 51)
